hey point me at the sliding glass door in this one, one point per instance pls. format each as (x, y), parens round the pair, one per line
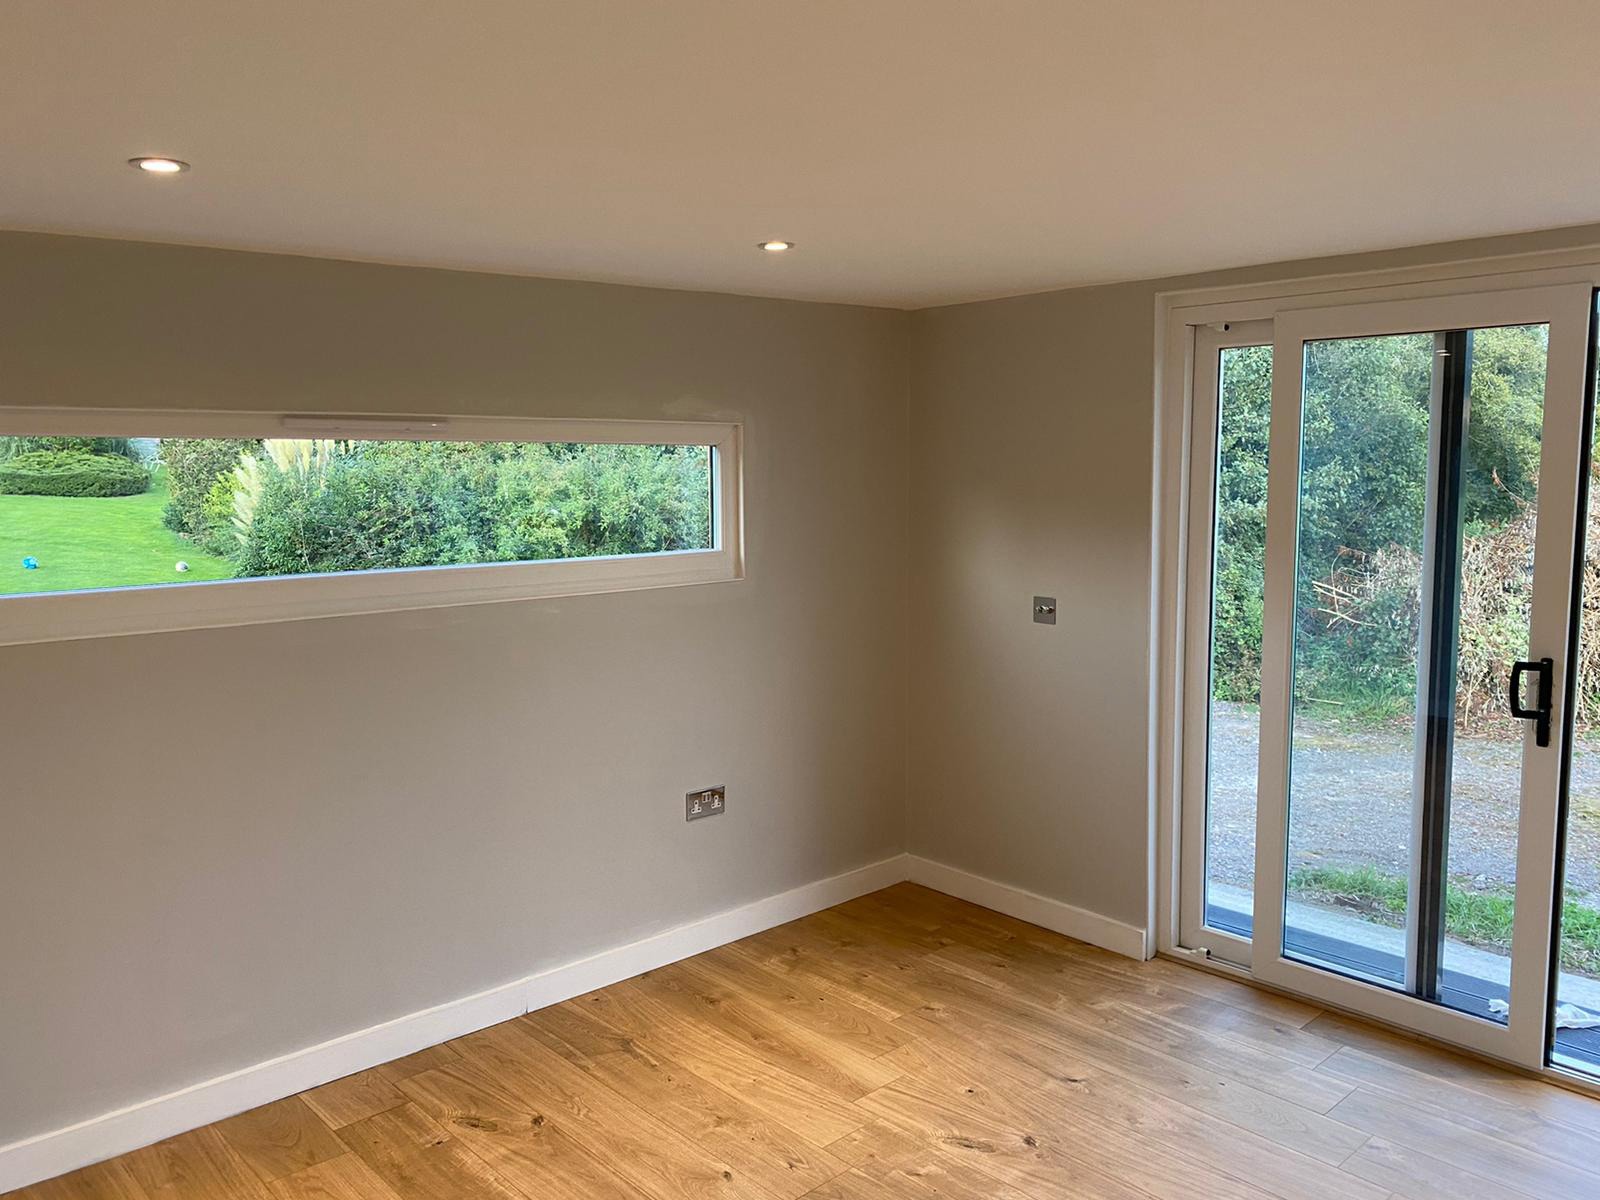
(1575, 1014)
(1422, 509)
(1388, 658)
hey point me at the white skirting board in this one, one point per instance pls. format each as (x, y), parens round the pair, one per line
(1063, 918)
(59, 1151)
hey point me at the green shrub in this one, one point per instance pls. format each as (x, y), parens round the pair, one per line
(220, 536)
(11, 447)
(194, 466)
(71, 473)
(351, 506)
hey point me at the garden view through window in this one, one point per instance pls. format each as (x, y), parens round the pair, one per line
(102, 512)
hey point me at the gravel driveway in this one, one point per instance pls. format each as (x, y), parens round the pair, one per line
(1352, 801)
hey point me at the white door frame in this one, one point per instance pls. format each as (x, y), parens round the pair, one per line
(1178, 315)
(1566, 310)
(1209, 343)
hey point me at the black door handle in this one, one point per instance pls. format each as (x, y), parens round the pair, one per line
(1540, 712)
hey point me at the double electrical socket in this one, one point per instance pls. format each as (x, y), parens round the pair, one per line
(707, 802)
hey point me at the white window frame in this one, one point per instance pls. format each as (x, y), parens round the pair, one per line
(1209, 342)
(1179, 314)
(156, 608)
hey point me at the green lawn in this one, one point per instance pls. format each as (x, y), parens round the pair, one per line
(89, 542)
(1478, 918)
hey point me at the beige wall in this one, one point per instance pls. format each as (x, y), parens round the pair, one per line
(219, 846)
(1030, 475)
(1032, 430)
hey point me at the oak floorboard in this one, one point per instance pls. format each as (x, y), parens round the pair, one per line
(344, 1178)
(531, 1150)
(198, 1165)
(769, 1035)
(781, 1162)
(280, 1138)
(1076, 1102)
(825, 1013)
(101, 1181)
(1145, 995)
(414, 1064)
(1471, 1148)
(415, 1156)
(1045, 1158)
(1507, 1119)
(1135, 1044)
(874, 983)
(1474, 1075)
(816, 1113)
(353, 1098)
(645, 1151)
(1417, 1176)
(886, 1157)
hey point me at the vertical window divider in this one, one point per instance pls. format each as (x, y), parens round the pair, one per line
(1441, 568)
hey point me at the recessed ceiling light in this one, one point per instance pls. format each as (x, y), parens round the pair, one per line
(776, 246)
(158, 166)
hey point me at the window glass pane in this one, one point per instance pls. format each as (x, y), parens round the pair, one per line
(1244, 397)
(80, 513)
(1499, 506)
(1358, 598)
(1577, 1016)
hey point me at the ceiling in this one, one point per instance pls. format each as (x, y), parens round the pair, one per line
(917, 151)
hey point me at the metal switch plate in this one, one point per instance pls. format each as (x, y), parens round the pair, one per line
(707, 802)
(1044, 610)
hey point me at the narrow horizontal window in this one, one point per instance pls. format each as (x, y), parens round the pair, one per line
(135, 531)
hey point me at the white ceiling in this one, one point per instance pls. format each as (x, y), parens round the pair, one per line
(918, 151)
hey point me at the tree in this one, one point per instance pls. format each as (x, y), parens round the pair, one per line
(1362, 502)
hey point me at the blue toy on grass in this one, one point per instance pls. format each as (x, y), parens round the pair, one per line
(30, 563)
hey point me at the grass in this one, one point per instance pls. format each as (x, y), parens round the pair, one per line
(94, 542)
(1479, 918)
(1354, 706)
(1351, 707)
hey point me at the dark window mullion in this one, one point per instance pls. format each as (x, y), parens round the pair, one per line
(1439, 700)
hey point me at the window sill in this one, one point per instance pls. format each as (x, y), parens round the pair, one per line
(113, 612)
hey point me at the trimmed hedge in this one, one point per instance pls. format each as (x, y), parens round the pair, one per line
(11, 447)
(71, 473)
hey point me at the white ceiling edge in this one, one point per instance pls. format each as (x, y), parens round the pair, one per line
(1485, 249)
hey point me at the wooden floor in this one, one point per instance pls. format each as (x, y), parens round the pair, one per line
(902, 1045)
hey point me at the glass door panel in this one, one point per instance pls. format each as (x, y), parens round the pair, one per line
(1499, 518)
(1418, 565)
(1364, 475)
(1418, 505)
(1575, 1023)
